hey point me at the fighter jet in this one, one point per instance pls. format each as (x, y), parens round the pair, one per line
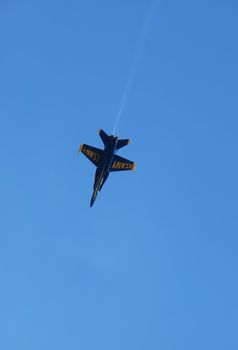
(106, 160)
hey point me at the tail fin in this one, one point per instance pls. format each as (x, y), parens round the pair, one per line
(122, 143)
(103, 136)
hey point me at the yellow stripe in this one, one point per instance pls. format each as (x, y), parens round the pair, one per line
(96, 190)
(80, 148)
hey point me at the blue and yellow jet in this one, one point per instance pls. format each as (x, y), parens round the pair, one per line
(106, 160)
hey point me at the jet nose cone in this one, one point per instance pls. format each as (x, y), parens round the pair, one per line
(92, 201)
(93, 198)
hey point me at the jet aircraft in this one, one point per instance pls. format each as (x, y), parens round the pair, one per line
(106, 160)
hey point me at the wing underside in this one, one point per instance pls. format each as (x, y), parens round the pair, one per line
(122, 164)
(92, 153)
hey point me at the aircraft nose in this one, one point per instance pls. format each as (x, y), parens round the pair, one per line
(92, 200)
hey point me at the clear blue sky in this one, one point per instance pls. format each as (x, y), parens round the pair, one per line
(153, 265)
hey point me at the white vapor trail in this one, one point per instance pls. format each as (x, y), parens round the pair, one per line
(134, 65)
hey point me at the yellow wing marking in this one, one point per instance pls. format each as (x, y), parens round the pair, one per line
(122, 165)
(91, 154)
(80, 149)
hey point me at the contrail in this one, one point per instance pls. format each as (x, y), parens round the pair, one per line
(133, 69)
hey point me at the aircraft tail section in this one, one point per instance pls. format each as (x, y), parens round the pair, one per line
(104, 136)
(122, 143)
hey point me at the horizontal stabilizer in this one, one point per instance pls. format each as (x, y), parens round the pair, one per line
(103, 136)
(92, 153)
(122, 143)
(122, 164)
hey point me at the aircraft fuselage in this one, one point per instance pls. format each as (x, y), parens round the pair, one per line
(104, 166)
(106, 160)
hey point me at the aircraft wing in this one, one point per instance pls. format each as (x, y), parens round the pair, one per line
(122, 164)
(92, 153)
